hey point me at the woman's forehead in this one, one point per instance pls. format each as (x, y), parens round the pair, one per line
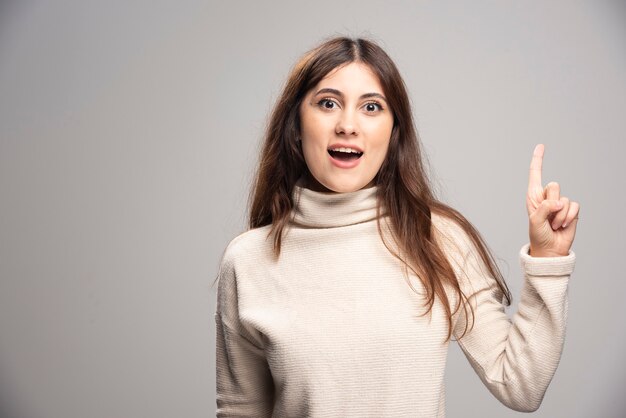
(353, 75)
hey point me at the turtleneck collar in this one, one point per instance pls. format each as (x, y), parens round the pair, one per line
(327, 210)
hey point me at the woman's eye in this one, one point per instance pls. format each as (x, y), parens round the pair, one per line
(327, 104)
(373, 107)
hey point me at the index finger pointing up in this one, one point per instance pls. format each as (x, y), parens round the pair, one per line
(534, 177)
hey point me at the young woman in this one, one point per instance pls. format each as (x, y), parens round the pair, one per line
(341, 299)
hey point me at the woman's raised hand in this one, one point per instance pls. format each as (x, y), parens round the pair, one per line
(552, 217)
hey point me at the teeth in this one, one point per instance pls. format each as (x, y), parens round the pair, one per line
(346, 150)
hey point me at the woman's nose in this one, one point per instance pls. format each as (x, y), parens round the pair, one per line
(347, 124)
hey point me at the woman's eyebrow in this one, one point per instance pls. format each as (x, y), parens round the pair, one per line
(368, 95)
(340, 94)
(329, 90)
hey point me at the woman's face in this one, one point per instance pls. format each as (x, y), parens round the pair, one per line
(346, 125)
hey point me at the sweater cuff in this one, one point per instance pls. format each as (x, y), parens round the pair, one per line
(547, 266)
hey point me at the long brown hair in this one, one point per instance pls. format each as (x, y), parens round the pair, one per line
(404, 190)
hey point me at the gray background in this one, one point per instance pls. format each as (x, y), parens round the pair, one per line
(129, 132)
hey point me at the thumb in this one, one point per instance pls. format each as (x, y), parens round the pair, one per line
(544, 210)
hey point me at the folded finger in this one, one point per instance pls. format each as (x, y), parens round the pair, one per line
(544, 210)
(572, 214)
(561, 215)
(552, 191)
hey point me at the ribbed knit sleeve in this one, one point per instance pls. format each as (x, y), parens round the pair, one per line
(516, 359)
(244, 380)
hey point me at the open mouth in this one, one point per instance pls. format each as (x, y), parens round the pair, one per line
(345, 154)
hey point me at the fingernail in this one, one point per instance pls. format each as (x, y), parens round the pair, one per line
(564, 224)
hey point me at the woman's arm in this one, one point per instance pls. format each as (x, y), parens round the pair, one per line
(244, 381)
(517, 359)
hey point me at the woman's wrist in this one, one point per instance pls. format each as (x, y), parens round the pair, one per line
(539, 253)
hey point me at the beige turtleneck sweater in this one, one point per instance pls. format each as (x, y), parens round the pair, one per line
(332, 328)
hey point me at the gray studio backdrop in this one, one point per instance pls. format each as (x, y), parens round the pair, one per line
(129, 131)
